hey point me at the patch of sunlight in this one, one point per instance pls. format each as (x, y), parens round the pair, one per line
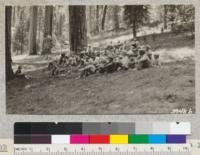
(176, 54)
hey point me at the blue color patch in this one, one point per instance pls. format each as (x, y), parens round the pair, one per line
(157, 139)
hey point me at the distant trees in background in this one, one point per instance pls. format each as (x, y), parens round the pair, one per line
(20, 26)
(104, 18)
(136, 15)
(181, 15)
(31, 27)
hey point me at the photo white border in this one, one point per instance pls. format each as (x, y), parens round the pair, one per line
(7, 121)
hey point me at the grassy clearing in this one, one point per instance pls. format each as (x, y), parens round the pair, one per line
(153, 90)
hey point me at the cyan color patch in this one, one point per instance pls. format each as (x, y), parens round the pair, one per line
(157, 139)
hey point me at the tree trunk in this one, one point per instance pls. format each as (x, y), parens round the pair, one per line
(33, 31)
(9, 71)
(13, 16)
(48, 23)
(61, 19)
(90, 19)
(97, 19)
(165, 17)
(134, 29)
(40, 23)
(22, 45)
(116, 18)
(39, 29)
(134, 24)
(22, 33)
(77, 28)
(104, 17)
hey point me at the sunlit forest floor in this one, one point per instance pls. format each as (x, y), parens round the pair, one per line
(152, 90)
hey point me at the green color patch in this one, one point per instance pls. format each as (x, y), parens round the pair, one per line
(138, 139)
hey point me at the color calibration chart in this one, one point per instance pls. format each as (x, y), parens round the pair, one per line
(105, 138)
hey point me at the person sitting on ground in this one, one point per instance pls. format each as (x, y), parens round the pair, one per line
(103, 58)
(90, 51)
(117, 50)
(131, 62)
(91, 60)
(110, 67)
(125, 61)
(142, 60)
(149, 52)
(78, 59)
(88, 69)
(130, 52)
(155, 61)
(135, 47)
(72, 60)
(63, 60)
(135, 44)
(19, 74)
(83, 52)
(118, 45)
(83, 61)
(110, 46)
(97, 60)
(53, 69)
(123, 46)
(152, 56)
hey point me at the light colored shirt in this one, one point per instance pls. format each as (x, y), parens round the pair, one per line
(125, 61)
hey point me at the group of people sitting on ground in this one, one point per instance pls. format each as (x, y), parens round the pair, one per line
(121, 56)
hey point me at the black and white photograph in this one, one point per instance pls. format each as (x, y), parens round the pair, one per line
(100, 59)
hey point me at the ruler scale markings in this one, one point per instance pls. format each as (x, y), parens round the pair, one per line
(114, 150)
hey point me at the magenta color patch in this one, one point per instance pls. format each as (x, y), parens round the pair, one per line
(79, 139)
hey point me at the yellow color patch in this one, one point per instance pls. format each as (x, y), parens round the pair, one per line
(118, 139)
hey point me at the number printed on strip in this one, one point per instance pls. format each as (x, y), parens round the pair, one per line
(6, 147)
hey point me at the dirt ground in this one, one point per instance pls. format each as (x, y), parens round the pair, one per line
(153, 90)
